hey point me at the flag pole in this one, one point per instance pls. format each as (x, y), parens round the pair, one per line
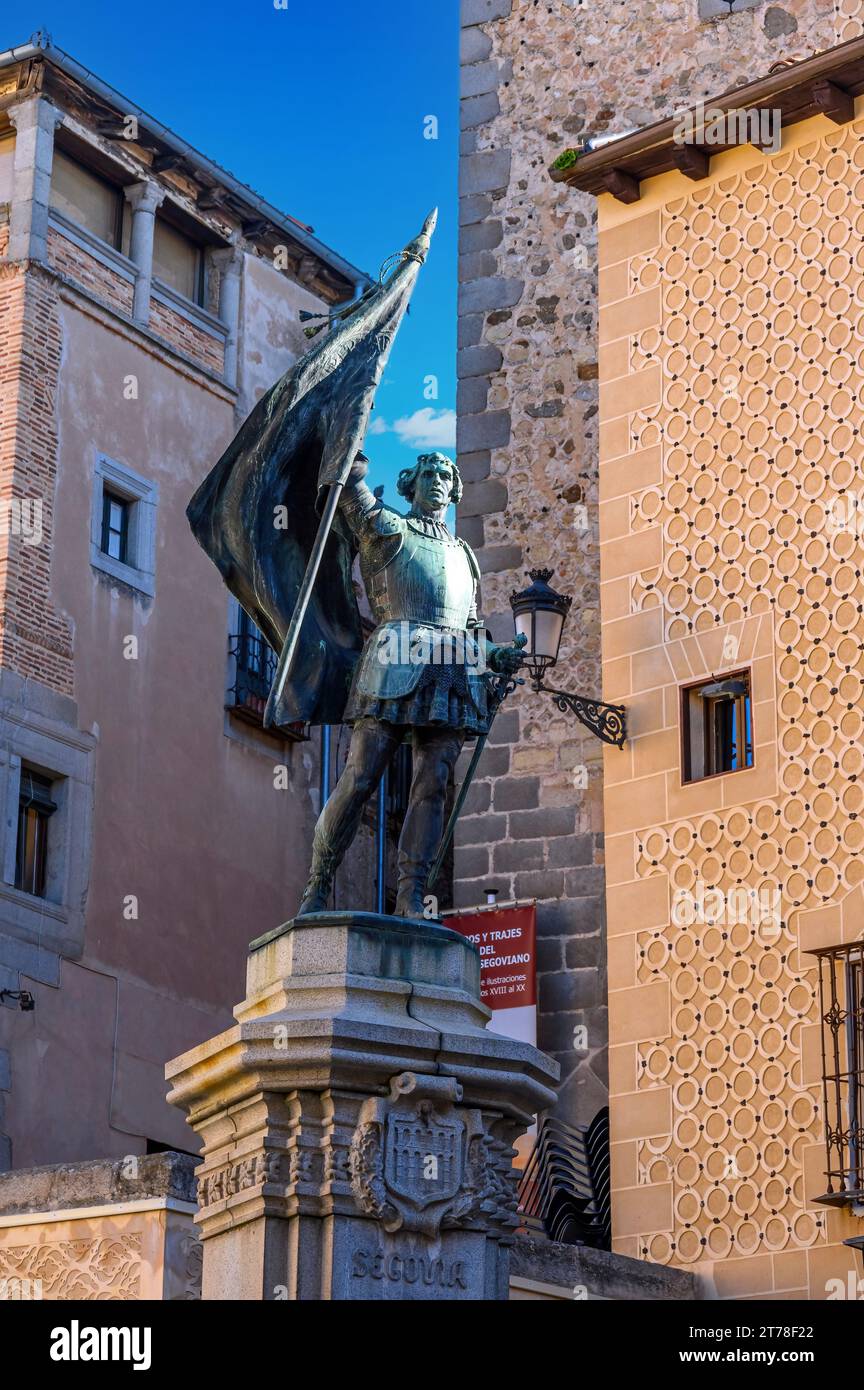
(289, 646)
(408, 260)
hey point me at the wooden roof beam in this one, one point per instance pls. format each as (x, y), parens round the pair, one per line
(164, 163)
(835, 103)
(622, 186)
(213, 199)
(255, 228)
(692, 161)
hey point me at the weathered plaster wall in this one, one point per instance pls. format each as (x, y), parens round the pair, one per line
(200, 826)
(272, 334)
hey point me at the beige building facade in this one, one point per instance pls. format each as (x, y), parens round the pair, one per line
(730, 544)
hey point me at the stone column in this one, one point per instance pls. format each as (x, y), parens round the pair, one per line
(230, 264)
(144, 197)
(34, 120)
(358, 1121)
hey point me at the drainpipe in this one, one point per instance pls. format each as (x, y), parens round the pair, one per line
(324, 788)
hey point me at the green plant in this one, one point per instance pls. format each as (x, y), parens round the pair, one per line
(565, 159)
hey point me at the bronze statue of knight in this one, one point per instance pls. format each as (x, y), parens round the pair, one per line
(422, 673)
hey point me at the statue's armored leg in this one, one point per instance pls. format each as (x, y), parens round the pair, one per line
(434, 756)
(373, 745)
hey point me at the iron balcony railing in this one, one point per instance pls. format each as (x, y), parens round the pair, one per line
(841, 1008)
(564, 1191)
(254, 666)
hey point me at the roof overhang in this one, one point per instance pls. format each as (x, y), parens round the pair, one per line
(47, 68)
(825, 84)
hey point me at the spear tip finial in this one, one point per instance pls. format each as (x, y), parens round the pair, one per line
(418, 249)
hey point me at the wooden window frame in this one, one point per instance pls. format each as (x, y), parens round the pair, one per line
(688, 777)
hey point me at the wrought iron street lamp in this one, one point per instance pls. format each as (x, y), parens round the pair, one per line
(539, 613)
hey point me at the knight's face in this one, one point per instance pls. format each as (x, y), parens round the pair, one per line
(433, 487)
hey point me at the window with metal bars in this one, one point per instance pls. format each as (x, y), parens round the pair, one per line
(841, 1008)
(253, 669)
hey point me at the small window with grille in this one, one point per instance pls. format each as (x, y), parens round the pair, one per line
(252, 667)
(841, 1008)
(717, 727)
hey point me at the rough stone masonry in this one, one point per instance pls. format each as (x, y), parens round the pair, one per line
(534, 77)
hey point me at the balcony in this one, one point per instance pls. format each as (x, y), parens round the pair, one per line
(841, 1009)
(252, 667)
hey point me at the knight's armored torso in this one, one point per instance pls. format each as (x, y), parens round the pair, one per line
(421, 582)
(428, 580)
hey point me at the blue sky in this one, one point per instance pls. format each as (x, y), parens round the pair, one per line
(321, 108)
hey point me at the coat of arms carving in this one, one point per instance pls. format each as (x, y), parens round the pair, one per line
(417, 1162)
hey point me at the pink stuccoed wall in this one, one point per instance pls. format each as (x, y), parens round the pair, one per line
(186, 816)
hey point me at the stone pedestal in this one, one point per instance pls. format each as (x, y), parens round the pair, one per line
(358, 1120)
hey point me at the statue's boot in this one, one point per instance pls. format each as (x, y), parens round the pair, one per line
(418, 845)
(411, 894)
(326, 858)
(316, 894)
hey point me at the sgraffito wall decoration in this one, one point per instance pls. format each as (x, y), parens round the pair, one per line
(732, 515)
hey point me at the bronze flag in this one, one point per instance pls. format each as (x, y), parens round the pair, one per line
(257, 513)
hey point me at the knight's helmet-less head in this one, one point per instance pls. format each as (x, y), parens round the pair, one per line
(407, 479)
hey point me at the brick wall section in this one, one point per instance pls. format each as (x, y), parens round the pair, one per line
(193, 342)
(35, 640)
(533, 78)
(111, 288)
(90, 272)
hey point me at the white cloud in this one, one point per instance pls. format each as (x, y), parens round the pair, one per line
(379, 426)
(427, 429)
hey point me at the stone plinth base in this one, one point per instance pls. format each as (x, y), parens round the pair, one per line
(358, 1120)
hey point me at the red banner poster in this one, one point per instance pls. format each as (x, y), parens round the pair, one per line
(505, 937)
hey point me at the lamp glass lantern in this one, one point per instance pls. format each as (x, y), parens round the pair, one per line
(538, 614)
